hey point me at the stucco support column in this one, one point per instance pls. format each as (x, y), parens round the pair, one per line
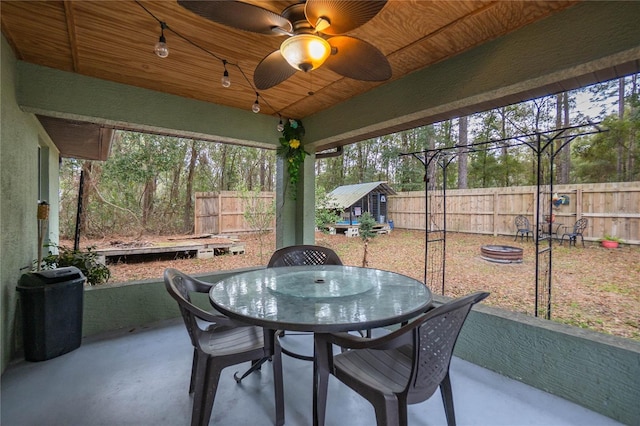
(295, 218)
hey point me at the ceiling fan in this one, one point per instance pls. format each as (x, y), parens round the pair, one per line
(315, 31)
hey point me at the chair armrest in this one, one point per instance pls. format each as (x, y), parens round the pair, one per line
(218, 319)
(395, 339)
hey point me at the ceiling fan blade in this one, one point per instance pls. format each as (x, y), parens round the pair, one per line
(272, 70)
(358, 59)
(239, 15)
(343, 15)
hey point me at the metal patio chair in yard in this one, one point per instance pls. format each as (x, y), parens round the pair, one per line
(220, 344)
(523, 228)
(403, 367)
(577, 231)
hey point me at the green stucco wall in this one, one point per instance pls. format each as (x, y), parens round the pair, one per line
(598, 371)
(20, 136)
(295, 220)
(136, 303)
(48, 91)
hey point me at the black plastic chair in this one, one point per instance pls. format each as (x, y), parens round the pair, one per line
(403, 367)
(523, 228)
(301, 255)
(577, 231)
(219, 345)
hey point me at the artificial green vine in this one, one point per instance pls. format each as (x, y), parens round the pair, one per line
(291, 151)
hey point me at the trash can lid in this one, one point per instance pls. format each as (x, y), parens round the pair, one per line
(50, 276)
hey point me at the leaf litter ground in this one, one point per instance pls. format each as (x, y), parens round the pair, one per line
(592, 287)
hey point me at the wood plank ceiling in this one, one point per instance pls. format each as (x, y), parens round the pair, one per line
(114, 40)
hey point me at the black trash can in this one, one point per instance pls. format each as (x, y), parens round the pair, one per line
(52, 303)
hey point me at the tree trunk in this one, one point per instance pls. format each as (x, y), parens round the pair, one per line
(620, 148)
(263, 170)
(566, 150)
(170, 211)
(223, 166)
(557, 146)
(431, 169)
(188, 200)
(87, 190)
(563, 153)
(462, 153)
(504, 152)
(147, 200)
(633, 141)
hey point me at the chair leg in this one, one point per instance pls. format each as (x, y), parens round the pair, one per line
(321, 366)
(447, 400)
(194, 367)
(212, 377)
(387, 412)
(199, 373)
(278, 385)
(403, 416)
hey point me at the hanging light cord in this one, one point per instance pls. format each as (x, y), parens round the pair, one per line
(224, 61)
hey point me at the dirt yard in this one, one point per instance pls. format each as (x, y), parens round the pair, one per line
(592, 287)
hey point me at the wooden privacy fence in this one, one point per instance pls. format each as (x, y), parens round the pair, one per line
(611, 208)
(223, 212)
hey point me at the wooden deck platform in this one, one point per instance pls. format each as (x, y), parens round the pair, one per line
(201, 250)
(353, 230)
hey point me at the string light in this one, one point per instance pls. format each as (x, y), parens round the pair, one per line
(226, 81)
(161, 48)
(256, 105)
(280, 126)
(162, 51)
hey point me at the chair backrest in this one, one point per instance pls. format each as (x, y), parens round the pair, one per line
(580, 226)
(433, 343)
(303, 255)
(180, 285)
(522, 222)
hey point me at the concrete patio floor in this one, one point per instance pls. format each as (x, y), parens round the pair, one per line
(141, 377)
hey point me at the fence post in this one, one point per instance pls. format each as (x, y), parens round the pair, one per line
(578, 203)
(495, 213)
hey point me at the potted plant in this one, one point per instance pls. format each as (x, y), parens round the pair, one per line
(609, 241)
(87, 261)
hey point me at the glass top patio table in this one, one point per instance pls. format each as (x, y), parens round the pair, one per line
(321, 299)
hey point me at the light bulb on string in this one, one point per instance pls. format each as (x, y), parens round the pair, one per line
(161, 48)
(226, 81)
(256, 105)
(280, 126)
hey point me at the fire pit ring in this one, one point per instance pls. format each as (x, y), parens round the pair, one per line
(501, 254)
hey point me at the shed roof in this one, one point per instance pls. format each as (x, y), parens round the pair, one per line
(345, 196)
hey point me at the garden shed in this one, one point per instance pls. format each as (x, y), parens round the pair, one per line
(356, 199)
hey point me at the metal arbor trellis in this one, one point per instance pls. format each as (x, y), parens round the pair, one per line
(545, 146)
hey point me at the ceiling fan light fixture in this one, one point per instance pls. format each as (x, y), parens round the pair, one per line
(305, 52)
